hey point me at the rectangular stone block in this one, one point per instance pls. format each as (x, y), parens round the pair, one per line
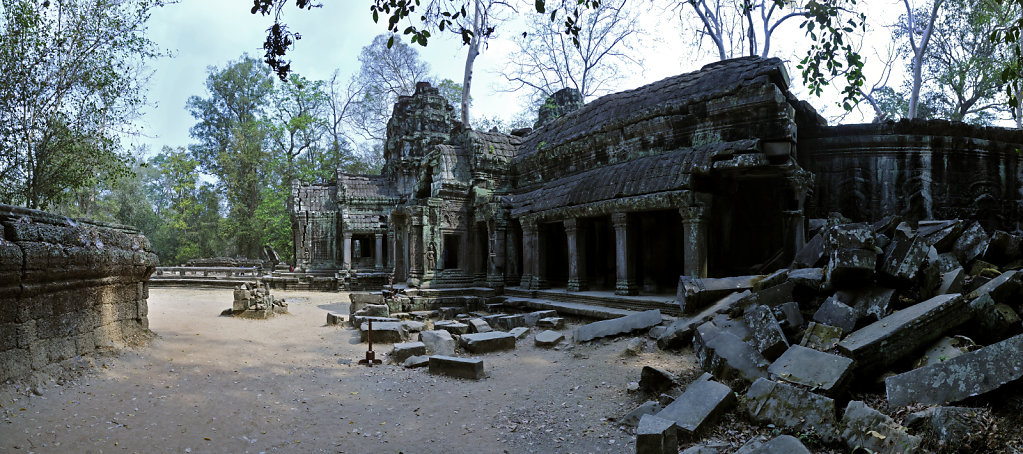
(615, 326)
(384, 332)
(971, 374)
(656, 436)
(808, 367)
(680, 332)
(791, 407)
(507, 322)
(471, 368)
(453, 327)
(696, 293)
(487, 342)
(726, 355)
(886, 341)
(767, 333)
(478, 325)
(532, 318)
(699, 406)
(404, 350)
(866, 428)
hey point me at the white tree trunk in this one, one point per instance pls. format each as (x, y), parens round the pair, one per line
(470, 59)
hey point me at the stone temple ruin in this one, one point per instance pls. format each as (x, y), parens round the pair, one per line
(256, 302)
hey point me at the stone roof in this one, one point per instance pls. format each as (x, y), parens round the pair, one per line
(671, 171)
(363, 222)
(365, 187)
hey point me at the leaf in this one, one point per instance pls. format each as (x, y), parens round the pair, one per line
(875, 434)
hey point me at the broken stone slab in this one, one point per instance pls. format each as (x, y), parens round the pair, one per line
(771, 296)
(680, 332)
(946, 349)
(438, 342)
(726, 355)
(616, 326)
(951, 428)
(951, 282)
(782, 444)
(656, 436)
(384, 332)
(886, 341)
(423, 315)
(904, 256)
(971, 243)
(404, 350)
(450, 312)
(416, 361)
(649, 407)
(359, 320)
(871, 300)
(655, 381)
(941, 234)
(453, 327)
(333, 318)
(864, 427)
(850, 267)
(519, 332)
(487, 342)
(471, 368)
(507, 322)
(478, 325)
(835, 313)
(822, 371)
(767, 333)
(413, 326)
(771, 280)
(532, 318)
(950, 381)
(699, 406)
(791, 407)
(821, 337)
(492, 319)
(991, 321)
(551, 323)
(810, 278)
(982, 268)
(359, 300)
(696, 293)
(548, 338)
(1003, 248)
(789, 317)
(703, 449)
(811, 255)
(1000, 288)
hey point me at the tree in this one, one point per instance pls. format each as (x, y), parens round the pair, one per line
(296, 121)
(231, 137)
(546, 61)
(189, 209)
(1011, 71)
(917, 27)
(386, 73)
(72, 84)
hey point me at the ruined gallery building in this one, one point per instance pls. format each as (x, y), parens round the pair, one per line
(711, 173)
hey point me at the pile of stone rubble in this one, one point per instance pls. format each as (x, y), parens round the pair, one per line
(926, 313)
(256, 302)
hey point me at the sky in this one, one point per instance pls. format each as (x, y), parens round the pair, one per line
(210, 33)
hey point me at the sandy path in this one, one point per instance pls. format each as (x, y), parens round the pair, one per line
(290, 384)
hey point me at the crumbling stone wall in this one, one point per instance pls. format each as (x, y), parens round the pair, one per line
(919, 169)
(67, 288)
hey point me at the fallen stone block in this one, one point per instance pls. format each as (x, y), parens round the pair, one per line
(951, 282)
(811, 255)
(413, 326)
(655, 436)
(835, 313)
(771, 280)
(704, 449)
(982, 268)
(478, 325)
(1003, 248)
(551, 323)
(359, 300)
(772, 296)
(790, 317)
(333, 318)
(649, 407)
(866, 428)
(450, 312)
(507, 322)
(680, 332)
(726, 355)
(991, 321)
(971, 243)
(423, 315)
(821, 337)
(548, 338)
(945, 349)
(453, 327)
(520, 332)
(826, 372)
(886, 341)
(852, 255)
(868, 301)
(782, 444)
(952, 429)
(532, 318)
(941, 234)
(696, 293)
(384, 332)
(971, 374)
(699, 406)
(615, 326)
(471, 368)
(492, 319)
(438, 342)
(767, 333)
(1000, 288)
(487, 342)
(791, 407)
(416, 361)
(811, 278)
(655, 381)
(359, 320)
(904, 256)
(404, 350)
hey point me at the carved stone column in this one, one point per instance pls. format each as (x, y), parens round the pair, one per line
(694, 230)
(512, 248)
(496, 260)
(625, 261)
(348, 251)
(415, 250)
(576, 256)
(528, 253)
(539, 261)
(379, 251)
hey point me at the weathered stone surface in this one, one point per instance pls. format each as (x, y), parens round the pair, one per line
(655, 381)
(789, 317)
(701, 403)
(487, 342)
(868, 301)
(945, 349)
(852, 255)
(821, 337)
(782, 444)
(811, 255)
(548, 338)
(333, 318)
(507, 322)
(471, 368)
(384, 332)
(532, 318)
(656, 436)
(649, 407)
(413, 326)
(519, 332)
(438, 342)
(835, 313)
(404, 350)
(551, 323)
(359, 300)
(951, 282)
(811, 278)
(767, 333)
(359, 320)
(888, 340)
(701, 449)
(771, 280)
(478, 325)
(971, 243)
(950, 428)
(416, 361)
(1003, 248)
(680, 332)
(788, 406)
(953, 380)
(726, 355)
(696, 293)
(904, 256)
(453, 327)
(1000, 288)
(864, 427)
(991, 321)
(615, 326)
(818, 370)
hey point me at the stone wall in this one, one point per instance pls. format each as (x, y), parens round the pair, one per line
(917, 169)
(67, 288)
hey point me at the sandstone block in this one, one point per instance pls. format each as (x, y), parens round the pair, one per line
(726, 355)
(818, 370)
(402, 351)
(548, 338)
(615, 326)
(767, 333)
(551, 323)
(696, 293)
(791, 407)
(532, 318)
(438, 342)
(471, 368)
(478, 325)
(655, 381)
(680, 332)
(453, 327)
(384, 332)
(699, 406)
(864, 427)
(656, 436)
(649, 407)
(487, 342)
(782, 444)
(835, 313)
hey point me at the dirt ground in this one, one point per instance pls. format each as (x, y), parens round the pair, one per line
(208, 383)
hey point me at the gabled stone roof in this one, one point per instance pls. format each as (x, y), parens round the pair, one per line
(365, 188)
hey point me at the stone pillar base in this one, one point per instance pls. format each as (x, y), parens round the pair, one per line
(626, 288)
(577, 285)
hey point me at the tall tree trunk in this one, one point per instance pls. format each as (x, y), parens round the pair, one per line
(470, 59)
(919, 51)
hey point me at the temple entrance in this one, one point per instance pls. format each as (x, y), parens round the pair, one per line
(555, 254)
(599, 241)
(660, 256)
(746, 239)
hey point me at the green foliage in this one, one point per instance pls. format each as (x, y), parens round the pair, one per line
(832, 51)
